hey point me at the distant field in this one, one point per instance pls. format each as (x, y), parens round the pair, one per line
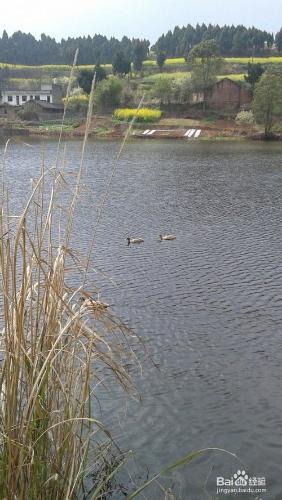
(179, 75)
(176, 60)
(49, 67)
(246, 60)
(236, 60)
(23, 75)
(169, 76)
(233, 76)
(169, 62)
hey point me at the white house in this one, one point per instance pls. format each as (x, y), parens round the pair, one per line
(20, 97)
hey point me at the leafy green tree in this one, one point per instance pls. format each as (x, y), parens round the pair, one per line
(172, 90)
(241, 43)
(108, 93)
(225, 40)
(278, 40)
(267, 102)
(100, 72)
(161, 58)
(182, 90)
(140, 52)
(84, 80)
(78, 104)
(121, 64)
(86, 76)
(255, 71)
(162, 90)
(205, 63)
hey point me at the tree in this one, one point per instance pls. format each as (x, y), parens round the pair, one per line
(161, 58)
(140, 52)
(205, 62)
(100, 72)
(241, 42)
(108, 93)
(255, 71)
(278, 40)
(162, 90)
(225, 40)
(86, 76)
(78, 104)
(121, 64)
(182, 90)
(267, 102)
(172, 90)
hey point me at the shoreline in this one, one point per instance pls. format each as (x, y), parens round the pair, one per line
(216, 132)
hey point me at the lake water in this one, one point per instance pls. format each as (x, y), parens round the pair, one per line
(208, 305)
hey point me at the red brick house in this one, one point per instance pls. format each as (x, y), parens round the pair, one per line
(228, 95)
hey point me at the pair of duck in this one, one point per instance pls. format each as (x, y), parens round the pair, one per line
(167, 237)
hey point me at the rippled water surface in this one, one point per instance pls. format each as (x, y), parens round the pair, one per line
(208, 305)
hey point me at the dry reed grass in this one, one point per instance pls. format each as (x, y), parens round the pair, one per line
(56, 344)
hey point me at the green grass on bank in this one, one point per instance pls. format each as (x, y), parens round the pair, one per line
(169, 76)
(179, 75)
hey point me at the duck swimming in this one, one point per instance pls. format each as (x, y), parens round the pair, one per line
(95, 304)
(134, 241)
(167, 237)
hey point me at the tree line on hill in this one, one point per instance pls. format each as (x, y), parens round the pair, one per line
(232, 40)
(23, 48)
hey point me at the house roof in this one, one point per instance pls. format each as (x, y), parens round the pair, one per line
(26, 92)
(44, 105)
(235, 82)
(26, 87)
(5, 105)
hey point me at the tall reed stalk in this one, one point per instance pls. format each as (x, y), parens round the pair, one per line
(56, 343)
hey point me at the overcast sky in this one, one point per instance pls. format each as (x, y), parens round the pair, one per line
(139, 18)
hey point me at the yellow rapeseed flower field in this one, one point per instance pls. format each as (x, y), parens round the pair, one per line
(141, 115)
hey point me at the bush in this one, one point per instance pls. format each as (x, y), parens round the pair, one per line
(182, 90)
(176, 90)
(108, 93)
(245, 118)
(143, 115)
(28, 116)
(77, 103)
(163, 89)
(76, 91)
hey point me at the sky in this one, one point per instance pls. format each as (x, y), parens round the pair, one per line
(138, 18)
